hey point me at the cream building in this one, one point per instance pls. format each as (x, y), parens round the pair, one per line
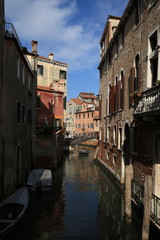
(73, 106)
(50, 73)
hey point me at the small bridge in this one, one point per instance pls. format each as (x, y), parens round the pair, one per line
(79, 140)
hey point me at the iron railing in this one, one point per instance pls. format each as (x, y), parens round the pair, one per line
(155, 209)
(137, 192)
(11, 32)
(150, 101)
(138, 197)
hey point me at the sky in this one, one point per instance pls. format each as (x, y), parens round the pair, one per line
(71, 29)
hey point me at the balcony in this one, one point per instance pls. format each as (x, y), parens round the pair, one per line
(11, 33)
(149, 103)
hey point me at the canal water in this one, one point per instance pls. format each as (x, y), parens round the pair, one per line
(84, 205)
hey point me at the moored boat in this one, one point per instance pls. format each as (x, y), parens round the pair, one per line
(83, 151)
(40, 179)
(12, 209)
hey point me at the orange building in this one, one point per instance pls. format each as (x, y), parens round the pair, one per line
(84, 125)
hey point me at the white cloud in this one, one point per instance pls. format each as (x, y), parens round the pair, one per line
(50, 22)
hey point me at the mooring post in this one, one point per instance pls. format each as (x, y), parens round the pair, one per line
(147, 207)
(96, 153)
(128, 179)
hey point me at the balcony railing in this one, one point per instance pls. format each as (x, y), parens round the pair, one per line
(137, 192)
(150, 101)
(138, 197)
(11, 32)
(155, 210)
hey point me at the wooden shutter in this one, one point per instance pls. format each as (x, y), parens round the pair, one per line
(112, 98)
(131, 85)
(119, 95)
(139, 77)
(122, 92)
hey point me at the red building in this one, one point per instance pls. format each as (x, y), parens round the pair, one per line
(50, 107)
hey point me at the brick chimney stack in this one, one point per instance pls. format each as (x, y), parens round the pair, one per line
(34, 46)
(51, 56)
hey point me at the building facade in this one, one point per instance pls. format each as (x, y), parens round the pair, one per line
(18, 94)
(1, 87)
(84, 120)
(51, 74)
(50, 107)
(73, 106)
(130, 93)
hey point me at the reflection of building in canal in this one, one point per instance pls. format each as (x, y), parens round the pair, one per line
(83, 165)
(111, 208)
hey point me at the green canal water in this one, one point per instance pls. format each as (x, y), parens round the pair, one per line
(84, 204)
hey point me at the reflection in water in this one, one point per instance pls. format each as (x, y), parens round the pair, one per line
(83, 204)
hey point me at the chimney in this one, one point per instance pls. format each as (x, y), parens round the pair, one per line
(51, 56)
(34, 46)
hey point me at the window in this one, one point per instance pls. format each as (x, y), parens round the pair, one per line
(18, 112)
(65, 102)
(108, 133)
(62, 74)
(40, 69)
(153, 68)
(102, 44)
(114, 135)
(153, 41)
(88, 115)
(83, 127)
(83, 115)
(29, 116)
(38, 101)
(23, 113)
(114, 159)
(120, 138)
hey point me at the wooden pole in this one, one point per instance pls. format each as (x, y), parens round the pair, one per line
(128, 178)
(147, 207)
(96, 153)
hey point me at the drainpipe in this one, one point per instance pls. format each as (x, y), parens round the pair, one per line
(2, 77)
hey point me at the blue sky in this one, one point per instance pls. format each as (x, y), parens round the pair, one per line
(71, 29)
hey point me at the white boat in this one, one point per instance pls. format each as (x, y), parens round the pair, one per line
(40, 179)
(83, 151)
(12, 209)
